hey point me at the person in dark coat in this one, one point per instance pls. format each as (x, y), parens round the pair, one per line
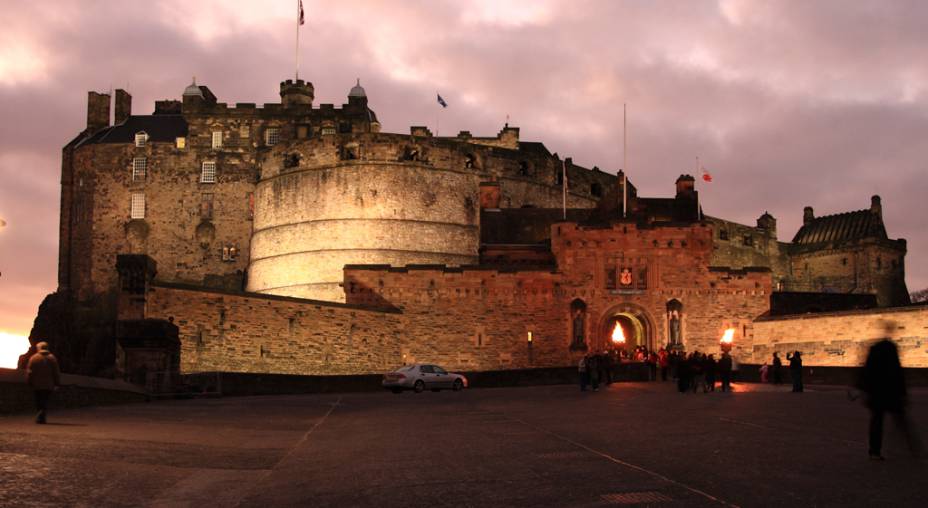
(23, 361)
(724, 369)
(609, 366)
(709, 367)
(883, 382)
(592, 366)
(43, 375)
(795, 370)
(683, 374)
(777, 369)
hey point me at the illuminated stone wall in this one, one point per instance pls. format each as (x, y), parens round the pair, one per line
(843, 338)
(319, 207)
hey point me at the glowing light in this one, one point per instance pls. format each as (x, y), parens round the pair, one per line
(11, 347)
(618, 336)
(530, 338)
(729, 336)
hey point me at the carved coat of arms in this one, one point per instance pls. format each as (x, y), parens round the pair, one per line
(625, 278)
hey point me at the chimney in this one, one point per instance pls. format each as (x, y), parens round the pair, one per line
(807, 215)
(123, 106)
(98, 111)
(876, 207)
(686, 184)
(489, 195)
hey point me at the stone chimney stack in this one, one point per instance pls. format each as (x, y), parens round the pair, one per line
(686, 185)
(98, 111)
(122, 105)
(807, 215)
(876, 206)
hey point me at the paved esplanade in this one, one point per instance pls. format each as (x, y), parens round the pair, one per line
(541, 446)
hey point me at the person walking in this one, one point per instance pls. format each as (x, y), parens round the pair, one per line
(777, 369)
(609, 363)
(764, 371)
(883, 382)
(795, 370)
(582, 368)
(43, 375)
(725, 368)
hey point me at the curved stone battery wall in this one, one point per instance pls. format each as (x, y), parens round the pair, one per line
(376, 199)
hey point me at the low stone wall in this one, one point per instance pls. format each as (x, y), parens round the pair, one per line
(821, 375)
(242, 383)
(842, 339)
(16, 395)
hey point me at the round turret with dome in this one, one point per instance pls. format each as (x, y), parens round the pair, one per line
(193, 90)
(357, 90)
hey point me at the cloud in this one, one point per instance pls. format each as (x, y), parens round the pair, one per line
(789, 103)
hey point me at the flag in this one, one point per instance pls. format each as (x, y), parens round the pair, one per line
(706, 176)
(442, 101)
(302, 18)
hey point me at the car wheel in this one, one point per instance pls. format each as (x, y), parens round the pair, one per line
(419, 387)
(458, 385)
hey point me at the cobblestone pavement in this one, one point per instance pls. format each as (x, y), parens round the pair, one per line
(628, 444)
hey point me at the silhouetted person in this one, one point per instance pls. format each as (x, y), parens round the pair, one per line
(584, 369)
(883, 381)
(23, 361)
(44, 376)
(795, 370)
(777, 369)
(709, 367)
(724, 369)
(683, 374)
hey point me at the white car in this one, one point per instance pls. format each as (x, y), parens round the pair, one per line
(421, 376)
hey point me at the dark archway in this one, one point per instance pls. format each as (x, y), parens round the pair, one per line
(636, 326)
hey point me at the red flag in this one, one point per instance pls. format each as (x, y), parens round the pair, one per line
(706, 176)
(302, 19)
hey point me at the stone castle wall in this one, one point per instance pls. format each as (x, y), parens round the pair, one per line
(319, 208)
(843, 338)
(865, 267)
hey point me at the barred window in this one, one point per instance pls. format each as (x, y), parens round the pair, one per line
(137, 208)
(139, 168)
(328, 131)
(141, 139)
(271, 136)
(217, 139)
(208, 172)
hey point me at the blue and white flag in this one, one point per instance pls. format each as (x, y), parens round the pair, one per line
(442, 101)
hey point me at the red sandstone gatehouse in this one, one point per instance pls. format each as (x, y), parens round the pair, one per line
(299, 239)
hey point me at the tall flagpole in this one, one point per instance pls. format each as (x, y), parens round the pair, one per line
(624, 162)
(297, 51)
(698, 212)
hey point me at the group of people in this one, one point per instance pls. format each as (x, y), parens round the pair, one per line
(596, 367)
(699, 370)
(774, 373)
(43, 374)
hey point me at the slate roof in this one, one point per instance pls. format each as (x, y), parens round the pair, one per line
(158, 127)
(841, 227)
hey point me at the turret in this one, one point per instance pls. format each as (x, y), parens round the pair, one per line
(357, 96)
(767, 223)
(686, 184)
(299, 92)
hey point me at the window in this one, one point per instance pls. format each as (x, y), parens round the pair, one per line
(137, 209)
(141, 139)
(611, 277)
(181, 143)
(271, 136)
(139, 167)
(439, 370)
(426, 369)
(723, 234)
(217, 139)
(229, 253)
(206, 206)
(208, 172)
(748, 240)
(344, 127)
(844, 261)
(328, 131)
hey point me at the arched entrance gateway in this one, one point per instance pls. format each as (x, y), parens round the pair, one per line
(627, 321)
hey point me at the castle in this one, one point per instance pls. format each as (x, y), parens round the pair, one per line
(299, 239)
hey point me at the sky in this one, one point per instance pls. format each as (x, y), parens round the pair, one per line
(787, 103)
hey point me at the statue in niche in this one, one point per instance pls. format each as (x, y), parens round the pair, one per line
(291, 160)
(674, 318)
(411, 153)
(578, 338)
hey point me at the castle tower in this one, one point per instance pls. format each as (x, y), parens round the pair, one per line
(299, 92)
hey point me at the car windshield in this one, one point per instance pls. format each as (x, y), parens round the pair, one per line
(427, 369)
(406, 368)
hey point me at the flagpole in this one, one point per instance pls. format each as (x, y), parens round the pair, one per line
(297, 50)
(698, 213)
(624, 162)
(564, 186)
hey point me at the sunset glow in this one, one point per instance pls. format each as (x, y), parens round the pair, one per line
(11, 347)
